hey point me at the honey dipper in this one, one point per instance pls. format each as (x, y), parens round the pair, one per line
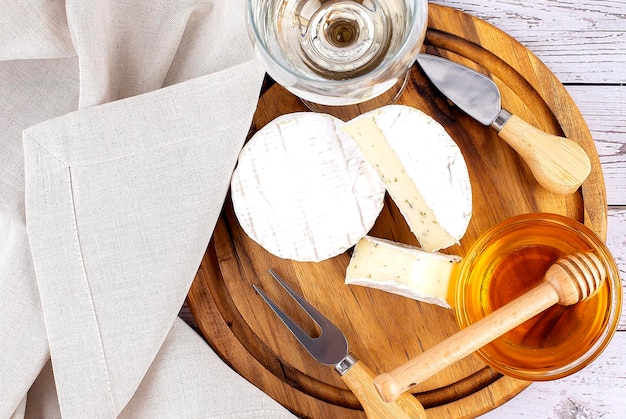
(570, 279)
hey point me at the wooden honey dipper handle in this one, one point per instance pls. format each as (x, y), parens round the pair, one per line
(569, 280)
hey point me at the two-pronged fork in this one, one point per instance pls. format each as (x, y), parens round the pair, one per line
(331, 348)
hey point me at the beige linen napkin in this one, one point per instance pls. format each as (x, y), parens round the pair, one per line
(121, 124)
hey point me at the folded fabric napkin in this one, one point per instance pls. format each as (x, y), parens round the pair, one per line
(121, 124)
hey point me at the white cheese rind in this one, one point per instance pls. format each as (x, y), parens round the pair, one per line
(402, 269)
(422, 168)
(303, 190)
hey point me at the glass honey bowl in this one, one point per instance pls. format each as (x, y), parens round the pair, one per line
(510, 259)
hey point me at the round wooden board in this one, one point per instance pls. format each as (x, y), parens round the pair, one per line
(385, 330)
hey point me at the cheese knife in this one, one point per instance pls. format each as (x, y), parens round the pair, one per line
(559, 164)
(331, 348)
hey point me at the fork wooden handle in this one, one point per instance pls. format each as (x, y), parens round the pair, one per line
(360, 379)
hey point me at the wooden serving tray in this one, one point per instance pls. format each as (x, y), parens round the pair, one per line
(382, 329)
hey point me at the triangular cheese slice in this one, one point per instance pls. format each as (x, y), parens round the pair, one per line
(422, 169)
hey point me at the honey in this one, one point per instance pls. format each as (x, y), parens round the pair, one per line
(511, 260)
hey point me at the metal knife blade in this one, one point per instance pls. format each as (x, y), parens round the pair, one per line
(331, 348)
(559, 164)
(476, 94)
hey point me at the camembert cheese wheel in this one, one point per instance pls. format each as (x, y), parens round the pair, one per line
(404, 270)
(303, 190)
(423, 171)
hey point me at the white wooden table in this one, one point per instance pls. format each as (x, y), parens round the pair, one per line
(584, 44)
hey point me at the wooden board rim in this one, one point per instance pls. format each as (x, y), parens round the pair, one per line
(219, 323)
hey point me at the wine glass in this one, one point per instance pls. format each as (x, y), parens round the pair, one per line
(338, 54)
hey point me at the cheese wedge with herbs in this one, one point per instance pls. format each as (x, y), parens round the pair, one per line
(303, 190)
(404, 270)
(422, 168)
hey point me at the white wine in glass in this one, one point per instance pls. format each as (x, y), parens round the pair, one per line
(337, 52)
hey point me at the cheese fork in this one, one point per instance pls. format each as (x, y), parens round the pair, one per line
(331, 348)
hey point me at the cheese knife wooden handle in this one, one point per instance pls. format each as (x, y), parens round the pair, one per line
(559, 164)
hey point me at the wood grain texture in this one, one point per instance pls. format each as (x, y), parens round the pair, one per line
(580, 41)
(359, 379)
(559, 165)
(604, 110)
(242, 330)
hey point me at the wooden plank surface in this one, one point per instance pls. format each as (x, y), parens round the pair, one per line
(580, 41)
(604, 110)
(584, 44)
